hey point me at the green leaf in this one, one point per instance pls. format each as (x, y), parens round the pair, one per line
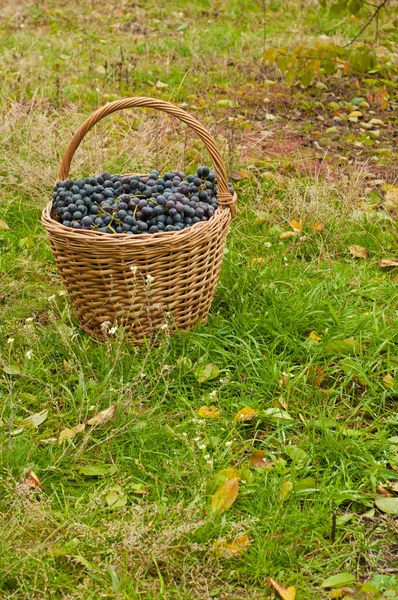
(296, 454)
(12, 369)
(96, 470)
(348, 346)
(355, 6)
(225, 103)
(337, 581)
(305, 486)
(116, 498)
(207, 372)
(325, 423)
(387, 505)
(36, 419)
(277, 413)
(343, 519)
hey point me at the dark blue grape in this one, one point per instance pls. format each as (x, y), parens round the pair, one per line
(142, 225)
(153, 229)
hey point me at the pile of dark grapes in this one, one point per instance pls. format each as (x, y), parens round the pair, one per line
(137, 205)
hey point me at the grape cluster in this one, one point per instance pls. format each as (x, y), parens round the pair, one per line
(137, 205)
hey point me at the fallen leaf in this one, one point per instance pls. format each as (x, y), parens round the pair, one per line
(258, 260)
(270, 117)
(358, 251)
(245, 414)
(139, 488)
(388, 262)
(207, 372)
(225, 103)
(116, 498)
(101, 69)
(225, 496)
(209, 412)
(277, 413)
(355, 113)
(347, 346)
(318, 226)
(343, 592)
(33, 481)
(257, 460)
(284, 593)
(288, 234)
(339, 580)
(389, 380)
(296, 225)
(383, 491)
(225, 475)
(234, 549)
(285, 489)
(36, 419)
(387, 505)
(316, 374)
(377, 122)
(296, 454)
(97, 470)
(160, 85)
(3, 225)
(103, 416)
(315, 337)
(69, 434)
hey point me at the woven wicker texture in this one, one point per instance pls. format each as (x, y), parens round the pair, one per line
(142, 282)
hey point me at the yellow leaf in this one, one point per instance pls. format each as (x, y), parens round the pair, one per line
(285, 235)
(32, 480)
(225, 496)
(224, 475)
(315, 337)
(355, 113)
(358, 251)
(285, 489)
(296, 225)
(69, 434)
(234, 549)
(318, 226)
(285, 593)
(103, 416)
(389, 380)
(209, 412)
(258, 260)
(3, 225)
(245, 414)
(257, 460)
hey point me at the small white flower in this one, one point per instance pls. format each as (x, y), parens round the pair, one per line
(29, 320)
(10, 340)
(62, 293)
(185, 434)
(149, 279)
(51, 298)
(29, 354)
(105, 326)
(228, 444)
(197, 439)
(209, 462)
(285, 374)
(213, 394)
(164, 326)
(133, 269)
(202, 447)
(267, 244)
(113, 330)
(207, 456)
(285, 258)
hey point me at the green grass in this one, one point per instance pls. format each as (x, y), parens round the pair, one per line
(64, 541)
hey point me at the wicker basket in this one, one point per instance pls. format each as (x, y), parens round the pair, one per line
(144, 282)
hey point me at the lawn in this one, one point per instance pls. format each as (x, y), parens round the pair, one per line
(302, 331)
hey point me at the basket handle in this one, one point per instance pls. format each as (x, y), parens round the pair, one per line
(224, 196)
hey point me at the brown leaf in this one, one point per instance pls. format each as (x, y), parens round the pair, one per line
(297, 226)
(33, 481)
(3, 225)
(388, 262)
(69, 434)
(384, 491)
(245, 414)
(209, 412)
(358, 251)
(257, 460)
(103, 416)
(285, 593)
(234, 549)
(225, 496)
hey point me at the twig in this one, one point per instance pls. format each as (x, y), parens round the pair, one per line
(378, 9)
